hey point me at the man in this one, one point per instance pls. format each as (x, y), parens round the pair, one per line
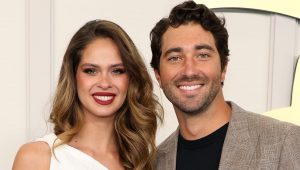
(189, 57)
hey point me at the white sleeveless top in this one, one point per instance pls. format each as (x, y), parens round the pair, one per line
(70, 158)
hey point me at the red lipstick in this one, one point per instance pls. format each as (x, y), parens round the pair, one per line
(104, 98)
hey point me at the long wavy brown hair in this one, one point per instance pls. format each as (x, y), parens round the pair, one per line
(137, 119)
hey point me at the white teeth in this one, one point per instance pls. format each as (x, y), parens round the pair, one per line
(104, 98)
(193, 87)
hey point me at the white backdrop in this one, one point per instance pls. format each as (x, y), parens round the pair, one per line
(35, 33)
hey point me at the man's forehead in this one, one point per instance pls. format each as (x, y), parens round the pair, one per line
(187, 36)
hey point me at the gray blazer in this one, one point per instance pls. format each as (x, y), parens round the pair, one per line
(252, 141)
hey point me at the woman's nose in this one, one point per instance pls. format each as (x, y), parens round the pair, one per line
(104, 81)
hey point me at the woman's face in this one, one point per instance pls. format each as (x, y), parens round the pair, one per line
(102, 80)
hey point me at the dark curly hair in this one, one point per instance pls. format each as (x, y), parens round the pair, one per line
(185, 13)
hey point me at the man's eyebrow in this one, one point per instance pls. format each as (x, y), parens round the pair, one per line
(204, 46)
(176, 49)
(179, 49)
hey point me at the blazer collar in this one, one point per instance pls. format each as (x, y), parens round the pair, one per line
(168, 151)
(170, 143)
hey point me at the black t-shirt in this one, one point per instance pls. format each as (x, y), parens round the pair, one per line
(201, 154)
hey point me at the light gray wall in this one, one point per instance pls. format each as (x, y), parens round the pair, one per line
(13, 79)
(35, 33)
(264, 48)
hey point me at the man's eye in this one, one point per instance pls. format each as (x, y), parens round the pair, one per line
(203, 56)
(174, 58)
(89, 71)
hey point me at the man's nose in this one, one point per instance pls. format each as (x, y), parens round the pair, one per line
(189, 66)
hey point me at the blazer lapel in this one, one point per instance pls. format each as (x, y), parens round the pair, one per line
(239, 144)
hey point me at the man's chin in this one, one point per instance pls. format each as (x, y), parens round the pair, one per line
(191, 111)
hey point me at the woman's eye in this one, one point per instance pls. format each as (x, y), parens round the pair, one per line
(119, 71)
(89, 71)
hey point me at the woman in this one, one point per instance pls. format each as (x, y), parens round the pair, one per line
(104, 111)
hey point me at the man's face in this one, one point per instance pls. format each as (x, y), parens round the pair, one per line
(190, 69)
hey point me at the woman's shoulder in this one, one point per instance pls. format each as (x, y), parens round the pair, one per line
(33, 155)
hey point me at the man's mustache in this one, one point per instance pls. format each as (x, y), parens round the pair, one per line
(191, 78)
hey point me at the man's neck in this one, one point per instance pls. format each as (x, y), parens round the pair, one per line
(200, 125)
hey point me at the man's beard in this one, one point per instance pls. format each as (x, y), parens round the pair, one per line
(204, 100)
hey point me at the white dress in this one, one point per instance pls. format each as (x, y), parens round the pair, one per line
(69, 158)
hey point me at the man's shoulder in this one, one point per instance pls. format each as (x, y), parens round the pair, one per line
(262, 124)
(270, 126)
